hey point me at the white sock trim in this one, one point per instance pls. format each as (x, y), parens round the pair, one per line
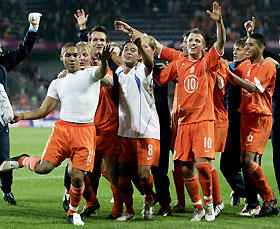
(198, 202)
(74, 209)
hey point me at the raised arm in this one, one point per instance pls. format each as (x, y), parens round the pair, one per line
(12, 58)
(124, 27)
(147, 59)
(81, 18)
(250, 26)
(103, 67)
(216, 15)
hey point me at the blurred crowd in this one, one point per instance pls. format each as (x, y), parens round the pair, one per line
(58, 24)
(58, 21)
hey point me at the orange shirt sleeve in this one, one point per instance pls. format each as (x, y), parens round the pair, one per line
(265, 74)
(170, 54)
(167, 74)
(212, 59)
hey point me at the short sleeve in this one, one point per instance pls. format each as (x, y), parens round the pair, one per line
(167, 74)
(265, 74)
(52, 91)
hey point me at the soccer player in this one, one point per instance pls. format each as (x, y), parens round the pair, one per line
(160, 172)
(8, 61)
(74, 134)
(106, 119)
(194, 144)
(230, 164)
(138, 124)
(257, 82)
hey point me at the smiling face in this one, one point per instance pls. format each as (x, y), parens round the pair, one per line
(253, 49)
(97, 42)
(130, 54)
(195, 45)
(70, 59)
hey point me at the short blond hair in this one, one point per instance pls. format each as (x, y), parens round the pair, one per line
(151, 41)
(83, 45)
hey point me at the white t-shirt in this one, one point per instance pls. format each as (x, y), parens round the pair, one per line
(138, 117)
(78, 93)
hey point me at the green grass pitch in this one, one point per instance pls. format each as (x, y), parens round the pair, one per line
(40, 196)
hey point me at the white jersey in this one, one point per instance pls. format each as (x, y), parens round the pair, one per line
(138, 117)
(78, 93)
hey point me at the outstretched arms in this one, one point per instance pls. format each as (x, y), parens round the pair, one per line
(47, 107)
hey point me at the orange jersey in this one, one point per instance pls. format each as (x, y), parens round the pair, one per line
(196, 83)
(220, 111)
(170, 54)
(263, 76)
(106, 116)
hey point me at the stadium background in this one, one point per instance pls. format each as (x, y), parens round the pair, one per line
(166, 20)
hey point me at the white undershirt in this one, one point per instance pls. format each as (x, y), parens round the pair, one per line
(78, 93)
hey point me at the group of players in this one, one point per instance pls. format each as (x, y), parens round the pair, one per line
(112, 108)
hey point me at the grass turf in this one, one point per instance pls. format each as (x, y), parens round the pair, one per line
(40, 196)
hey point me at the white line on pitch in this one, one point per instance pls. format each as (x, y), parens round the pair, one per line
(36, 178)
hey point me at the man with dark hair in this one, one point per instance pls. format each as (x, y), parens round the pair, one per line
(8, 61)
(74, 134)
(257, 82)
(230, 164)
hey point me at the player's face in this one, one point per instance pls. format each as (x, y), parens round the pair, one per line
(97, 42)
(195, 45)
(130, 54)
(252, 48)
(71, 59)
(184, 46)
(85, 58)
(145, 44)
(239, 53)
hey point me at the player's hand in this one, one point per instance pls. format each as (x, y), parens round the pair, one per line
(106, 53)
(270, 60)
(161, 65)
(250, 26)
(62, 74)
(122, 26)
(81, 18)
(34, 20)
(17, 117)
(216, 14)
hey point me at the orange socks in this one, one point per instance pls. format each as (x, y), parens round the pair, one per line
(75, 198)
(192, 187)
(260, 182)
(29, 162)
(104, 173)
(118, 202)
(88, 194)
(216, 185)
(205, 180)
(178, 178)
(148, 189)
(126, 193)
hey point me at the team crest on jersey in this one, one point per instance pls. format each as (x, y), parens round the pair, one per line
(192, 69)
(191, 83)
